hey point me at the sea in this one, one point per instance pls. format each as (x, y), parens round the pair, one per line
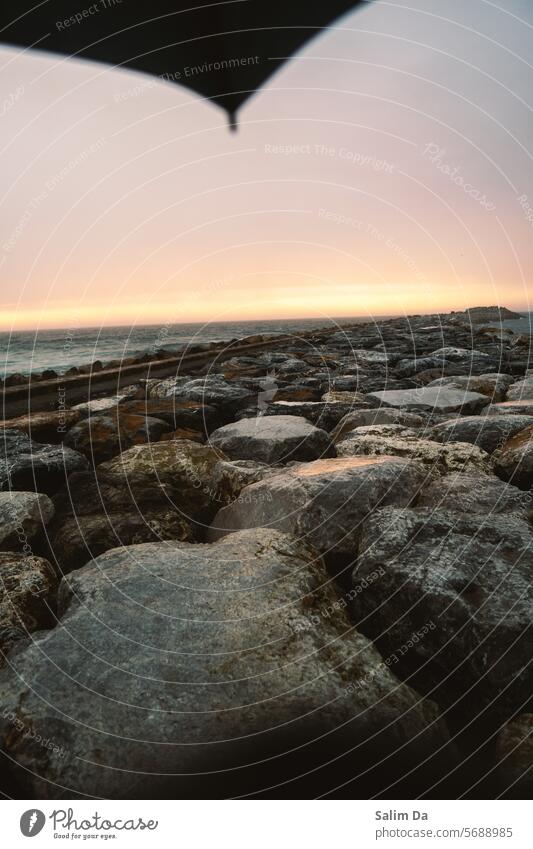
(26, 351)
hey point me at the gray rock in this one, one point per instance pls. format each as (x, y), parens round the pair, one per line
(494, 385)
(100, 437)
(99, 405)
(474, 493)
(471, 579)
(319, 413)
(513, 462)
(395, 440)
(458, 355)
(510, 408)
(380, 416)
(27, 598)
(179, 473)
(182, 671)
(325, 502)
(231, 476)
(522, 389)
(272, 439)
(23, 515)
(80, 538)
(214, 391)
(437, 398)
(27, 465)
(487, 432)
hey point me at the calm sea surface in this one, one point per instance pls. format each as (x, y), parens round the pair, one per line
(28, 351)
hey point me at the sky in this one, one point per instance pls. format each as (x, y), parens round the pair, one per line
(386, 169)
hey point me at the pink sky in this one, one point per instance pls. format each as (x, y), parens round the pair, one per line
(386, 169)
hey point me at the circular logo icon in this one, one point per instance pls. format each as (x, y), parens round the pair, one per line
(32, 822)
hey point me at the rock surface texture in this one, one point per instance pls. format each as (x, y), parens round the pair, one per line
(229, 676)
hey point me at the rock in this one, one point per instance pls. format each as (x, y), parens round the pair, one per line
(158, 389)
(179, 473)
(184, 433)
(16, 380)
(296, 393)
(27, 590)
(325, 502)
(438, 399)
(458, 355)
(319, 413)
(514, 756)
(98, 405)
(494, 385)
(226, 398)
(522, 389)
(474, 493)
(363, 357)
(49, 426)
(441, 458)
(23, 515)
(231, 476)
(30, 466)
(410, 367)
(190, 691)
(513, 462)
(466, 584)
(354, 399)
(480, 315)
(487, 432)
(49, 374)
(101, 437)
(272, 439)
(79, 539)
(183, 414)
(510, 408)
(382, 415)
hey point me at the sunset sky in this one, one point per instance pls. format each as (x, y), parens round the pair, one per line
(386, 169)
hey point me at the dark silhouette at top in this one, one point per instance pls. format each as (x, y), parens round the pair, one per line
(224, 51)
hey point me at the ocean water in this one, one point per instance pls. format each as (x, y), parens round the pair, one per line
(28, 351)
(31, 351)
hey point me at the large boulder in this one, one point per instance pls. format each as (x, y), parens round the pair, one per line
(494, 385)
(27, 598)
(487, 432)
(178, 473)
(439, 399)
(80, 538)
(521, 389)
(474, 493)
(191, 671)
(401, 442)
(325, 502)
(272, 439)
(320, 413)
(101, 437)
(23, 515)
(97, 406)
(213, 391)
(513, 462)
(50, 426)
(468, 584)
(510, 408)
(182, 414)
(381, 416)
(27, 465)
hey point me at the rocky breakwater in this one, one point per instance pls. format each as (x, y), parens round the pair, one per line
(302, 570)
